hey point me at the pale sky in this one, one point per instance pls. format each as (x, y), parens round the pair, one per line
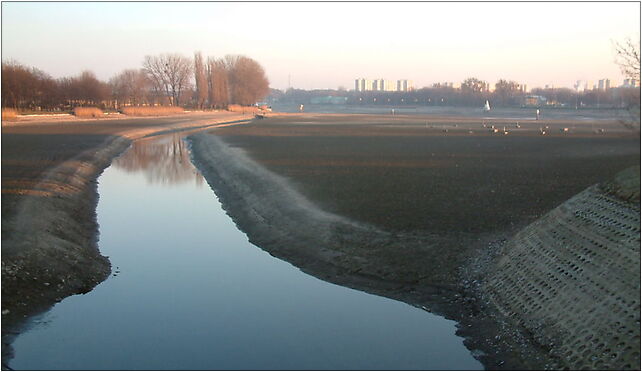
(327, 45)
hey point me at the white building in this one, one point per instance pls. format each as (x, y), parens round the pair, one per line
(362, 85)
(604, 84)
(404, 85)
(630, 83)
(379, 85)
(382, 85)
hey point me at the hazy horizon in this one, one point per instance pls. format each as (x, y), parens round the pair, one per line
(328, 45)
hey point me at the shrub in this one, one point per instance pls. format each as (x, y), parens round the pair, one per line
(9, 114)
(152, 110)
(88, 112)
(243, 109)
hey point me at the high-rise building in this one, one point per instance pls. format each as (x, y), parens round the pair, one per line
(604, 84)
(382, 85)
(362, 85)
(630, 83)
(404, 85)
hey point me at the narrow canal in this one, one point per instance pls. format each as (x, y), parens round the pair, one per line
(189, 292)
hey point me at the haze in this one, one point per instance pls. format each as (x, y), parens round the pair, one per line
(327, 45)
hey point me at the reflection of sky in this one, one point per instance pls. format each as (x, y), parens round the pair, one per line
(193, 293)
(325, 45)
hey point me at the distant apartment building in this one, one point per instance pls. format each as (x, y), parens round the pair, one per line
(362, 85)
(447, 84)
(604, 84)
(382, 85)
(630, 83)
(404, 85)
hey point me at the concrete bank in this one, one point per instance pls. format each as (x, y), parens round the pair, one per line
(52, 251)
(572, 278)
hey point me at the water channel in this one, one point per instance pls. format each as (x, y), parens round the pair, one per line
(189, 292)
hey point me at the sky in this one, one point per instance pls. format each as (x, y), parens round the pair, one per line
(329, 45)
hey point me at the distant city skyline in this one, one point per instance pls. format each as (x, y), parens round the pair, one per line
(536, 44)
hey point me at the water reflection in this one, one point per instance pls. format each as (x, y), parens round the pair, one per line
(189, 292)
(163, 160)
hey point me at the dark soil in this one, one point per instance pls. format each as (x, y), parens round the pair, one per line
(458, 195)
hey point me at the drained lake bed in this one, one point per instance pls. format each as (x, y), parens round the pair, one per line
(188, 291)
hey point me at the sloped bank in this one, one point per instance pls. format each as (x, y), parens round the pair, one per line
(572, 278)
(49, 241)
(405, 267)
(52, 252)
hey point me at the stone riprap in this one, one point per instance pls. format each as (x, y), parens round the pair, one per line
(571, 280)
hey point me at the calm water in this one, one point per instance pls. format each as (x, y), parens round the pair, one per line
(190, 292)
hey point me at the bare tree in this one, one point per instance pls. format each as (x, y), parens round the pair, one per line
(627, 56)
(472, 85)
(247, 80)
(130, 87)
(83, 90)
(170, 74)
(24, 87)
(505, 91)
(200, 77)
(218, 83)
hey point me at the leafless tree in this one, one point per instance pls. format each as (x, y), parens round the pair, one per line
(200, 77)
(627, 57)
(472, 85)
(218, 83)
(83, 90)
(247, 80)
(170, 74)
(131, 87)
(506, 90)
(24, 87)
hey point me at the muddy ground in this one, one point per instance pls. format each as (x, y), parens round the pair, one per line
(429, 201)
(49, 229)
(393, 178)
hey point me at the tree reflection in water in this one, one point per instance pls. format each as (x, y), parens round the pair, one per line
(163, 160)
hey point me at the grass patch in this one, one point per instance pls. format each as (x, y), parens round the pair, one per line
(152, 110)
(243, 109)
(88, 112)
(9, 114)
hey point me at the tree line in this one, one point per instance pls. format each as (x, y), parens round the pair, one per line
(471, 93)
(168, 79)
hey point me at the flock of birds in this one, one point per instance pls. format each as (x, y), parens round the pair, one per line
(543, 130)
